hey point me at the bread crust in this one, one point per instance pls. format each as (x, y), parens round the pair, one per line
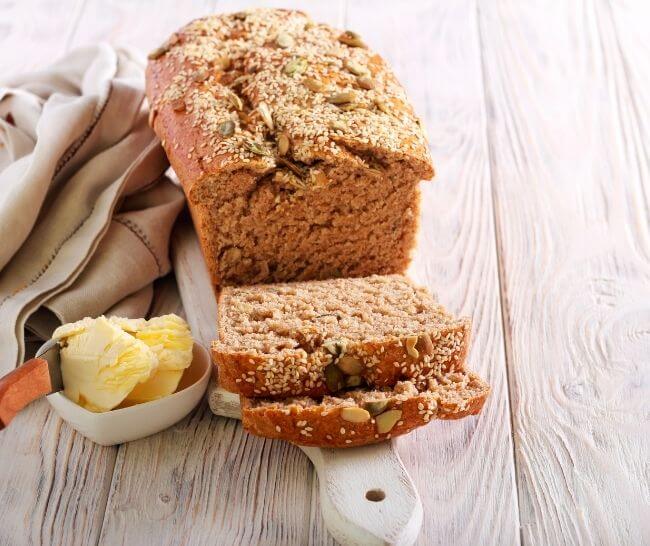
(246, 373)
(203, 42)
(323, 426)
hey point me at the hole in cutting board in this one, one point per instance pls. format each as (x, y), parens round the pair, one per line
(375, 495)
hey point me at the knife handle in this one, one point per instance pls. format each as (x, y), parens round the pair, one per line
(21, 387)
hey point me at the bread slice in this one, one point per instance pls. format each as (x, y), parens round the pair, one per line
(317, 337)
(363, 416)
(296, 146)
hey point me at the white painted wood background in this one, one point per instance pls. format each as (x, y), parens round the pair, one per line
(538, 226)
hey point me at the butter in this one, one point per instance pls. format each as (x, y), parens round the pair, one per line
(161, 383)
(105, 362)
(170, 338)
(101, 363)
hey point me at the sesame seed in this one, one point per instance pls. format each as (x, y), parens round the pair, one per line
(248, 46)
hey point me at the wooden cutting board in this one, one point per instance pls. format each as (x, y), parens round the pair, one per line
(367, 497)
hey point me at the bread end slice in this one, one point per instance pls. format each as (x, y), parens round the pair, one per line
(362, 417)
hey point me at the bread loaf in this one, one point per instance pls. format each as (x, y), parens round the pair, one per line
(296, 146)
(314, 338)
(364, 416)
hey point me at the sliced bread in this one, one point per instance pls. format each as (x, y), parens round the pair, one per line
(363, 416)
(318, 337)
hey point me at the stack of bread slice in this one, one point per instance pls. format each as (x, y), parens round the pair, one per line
(343, 362)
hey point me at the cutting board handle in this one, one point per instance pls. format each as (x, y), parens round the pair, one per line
(366, 495)
(22, 386)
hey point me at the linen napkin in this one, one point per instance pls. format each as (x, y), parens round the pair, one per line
(86, 210)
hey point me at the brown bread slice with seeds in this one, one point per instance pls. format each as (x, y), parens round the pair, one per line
(363, 416)
(296, 146)
(315, 338)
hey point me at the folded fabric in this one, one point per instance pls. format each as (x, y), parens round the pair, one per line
(85, 208)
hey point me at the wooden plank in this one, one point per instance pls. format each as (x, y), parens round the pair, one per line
(32, 37)
(142, 25)
(54, 482)
(463, 470)
(570, 179)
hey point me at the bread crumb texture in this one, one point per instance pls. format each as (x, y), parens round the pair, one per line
(319, 337)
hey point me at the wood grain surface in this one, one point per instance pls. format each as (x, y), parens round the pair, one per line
(570, 183)
(537, 226)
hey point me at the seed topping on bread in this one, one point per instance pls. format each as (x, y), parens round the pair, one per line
(247, 78)
(364, 416)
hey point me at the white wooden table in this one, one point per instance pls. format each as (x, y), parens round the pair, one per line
(538, 226)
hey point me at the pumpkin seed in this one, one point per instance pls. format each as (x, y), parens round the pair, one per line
(297, 65)
(227, 128)
(265, 113)
(338, 125)
(313, 84)
(356, 68)
(355, 415)
(425, 345)
(333, 378)
(241, 80)
(410, 346)
(235, 101)
(283, 144)
(375, 407)
(353, 381)
(350, 106)
(383, 106)
(365, 82)
(295, 169)
(341, 98)
(350, 365)
(255, 147)
(222, 63)
(284, 40)
(351, 39)
(387, 420)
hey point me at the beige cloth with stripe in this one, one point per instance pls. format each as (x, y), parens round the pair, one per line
(86, 210)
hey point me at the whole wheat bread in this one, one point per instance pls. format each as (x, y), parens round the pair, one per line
(317, 337)
(295, 144)
(364, 416)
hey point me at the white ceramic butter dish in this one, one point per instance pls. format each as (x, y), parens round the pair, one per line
(139, 420)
